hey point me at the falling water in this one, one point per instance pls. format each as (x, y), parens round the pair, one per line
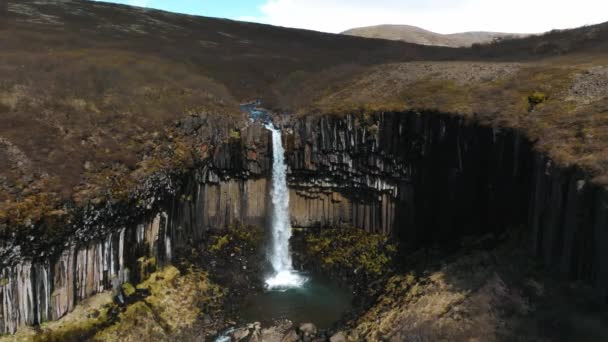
(284, 275)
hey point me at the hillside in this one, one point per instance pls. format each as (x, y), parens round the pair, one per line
(90, 92)
(417, 35)
(451, 193)
(88, 88)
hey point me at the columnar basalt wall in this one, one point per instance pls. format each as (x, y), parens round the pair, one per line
(425, 177)
(32, 292)
(323, 207)
(568, 223)
(431, 177)
(229, 188)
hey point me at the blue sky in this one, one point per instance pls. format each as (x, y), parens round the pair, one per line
(443, 16)
(210, 8)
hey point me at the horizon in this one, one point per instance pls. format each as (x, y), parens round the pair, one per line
(440, 16)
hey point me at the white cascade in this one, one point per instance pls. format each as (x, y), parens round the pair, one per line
(284, 276)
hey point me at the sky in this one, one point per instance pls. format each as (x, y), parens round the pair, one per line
(443, 16)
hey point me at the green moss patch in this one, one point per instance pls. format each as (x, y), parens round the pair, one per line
(352, 248)
(220, 243)
(235, 239)
(535, 99)
(175, 303)
(88, 317)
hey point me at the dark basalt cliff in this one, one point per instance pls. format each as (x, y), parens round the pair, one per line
(423, 177)
(431, 178)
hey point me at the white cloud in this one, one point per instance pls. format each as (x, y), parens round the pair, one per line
(140, 3)
(444, 16)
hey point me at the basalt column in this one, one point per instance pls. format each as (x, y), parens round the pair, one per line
(433, 176)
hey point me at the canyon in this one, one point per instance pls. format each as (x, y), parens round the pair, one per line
(422, 177)
(445, 193)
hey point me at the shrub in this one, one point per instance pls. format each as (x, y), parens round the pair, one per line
(221, 242)
(235, 134)
(535, 99)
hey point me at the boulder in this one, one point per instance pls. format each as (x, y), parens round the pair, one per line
(241, 334)
(291, 336)
(308, 329)
(338, 337)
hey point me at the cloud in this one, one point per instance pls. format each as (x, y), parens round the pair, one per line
(444, 16)
(140, 3)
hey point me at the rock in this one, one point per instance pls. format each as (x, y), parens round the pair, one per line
(338, 337)
(94, 313)
(240, 334)
(291, 336)
(308, 329)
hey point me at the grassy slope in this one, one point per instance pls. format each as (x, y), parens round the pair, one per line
(89, 91)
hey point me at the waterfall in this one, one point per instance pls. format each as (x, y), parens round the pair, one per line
(280, 258)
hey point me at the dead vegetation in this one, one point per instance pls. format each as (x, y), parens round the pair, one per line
(481, 295)
(89, 91)
(535, 97)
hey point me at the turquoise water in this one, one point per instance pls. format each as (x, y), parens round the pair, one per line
(319, 301)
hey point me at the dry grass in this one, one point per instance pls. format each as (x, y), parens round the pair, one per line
(536, 98)
(497, 295)
(89, 91)
(173, 307)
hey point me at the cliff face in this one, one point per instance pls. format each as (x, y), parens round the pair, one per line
(431, 178)
(228, 187)
(424, 178)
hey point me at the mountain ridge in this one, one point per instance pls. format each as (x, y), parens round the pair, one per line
(418, 35)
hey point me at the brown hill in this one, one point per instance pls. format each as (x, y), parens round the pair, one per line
(417, 35)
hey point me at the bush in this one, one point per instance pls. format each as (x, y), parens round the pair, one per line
(535, 99)
(235, 134)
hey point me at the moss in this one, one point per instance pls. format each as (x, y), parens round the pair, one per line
(138, 319)
(128, 289)
(77, 326)
(535, 99)
(146, 266)
(220, 243)
(249, 235)
(175, 302)
(352, 248)
(235, 134)
(236, 238)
